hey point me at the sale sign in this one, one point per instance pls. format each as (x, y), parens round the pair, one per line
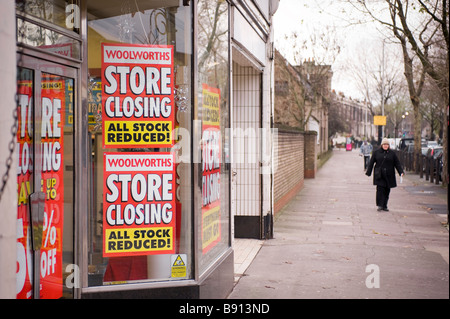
(211, 230)
(139, 204)
(52, 184)
(53, 93)
(137, 95)
(24, 179)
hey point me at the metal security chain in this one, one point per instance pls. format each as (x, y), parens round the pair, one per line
(11, 149)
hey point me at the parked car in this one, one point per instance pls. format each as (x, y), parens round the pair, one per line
(408, 145)
(432, 144)
(409, 148)
(424, 151)
(404, 142)
(439, 153)
(436, 153)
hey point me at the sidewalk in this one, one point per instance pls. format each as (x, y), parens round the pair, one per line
(245, 250)
(330, 242)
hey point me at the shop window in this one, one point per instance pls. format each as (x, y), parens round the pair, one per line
(139, 99)
(47, 40)
(63, 13)
(45, 182)
(50, 25)
(213, 112)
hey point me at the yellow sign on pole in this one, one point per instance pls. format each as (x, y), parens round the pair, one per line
(379, 120)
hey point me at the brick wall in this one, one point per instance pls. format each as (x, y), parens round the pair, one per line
(310, 142)
(289, 173)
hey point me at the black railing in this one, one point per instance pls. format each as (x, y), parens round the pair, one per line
(428, 167)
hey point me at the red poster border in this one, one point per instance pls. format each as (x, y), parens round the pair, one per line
(105, 118)
(172, 223)
(213, 205)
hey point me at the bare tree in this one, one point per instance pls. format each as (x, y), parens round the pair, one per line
(426, 41)
(377, 77)
(299, 97)
(212, 35)
(310, 73)
(396, 112)
(432, 109)
(336, 120)
(319, 45)
(415, 86)
(435, 40)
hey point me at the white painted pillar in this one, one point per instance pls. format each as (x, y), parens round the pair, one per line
(8, 203)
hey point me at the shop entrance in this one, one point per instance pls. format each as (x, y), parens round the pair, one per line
(246, 177)
(45, 176)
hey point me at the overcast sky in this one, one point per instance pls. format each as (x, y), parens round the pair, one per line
(309, 16)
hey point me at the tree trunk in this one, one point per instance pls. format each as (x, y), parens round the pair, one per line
(417, 134)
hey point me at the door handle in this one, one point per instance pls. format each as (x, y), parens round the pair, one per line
(37, 208)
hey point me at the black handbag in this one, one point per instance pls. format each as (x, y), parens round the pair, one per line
(377, 173)
(377, 170)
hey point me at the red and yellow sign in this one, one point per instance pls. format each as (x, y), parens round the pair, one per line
(211, 229)
(53, 92)
(137, 95)
(139, 204)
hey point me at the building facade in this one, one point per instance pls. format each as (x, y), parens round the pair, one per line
(303, 98)
(356, 115)
(143, 145)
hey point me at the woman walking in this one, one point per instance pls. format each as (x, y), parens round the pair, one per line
(385, 160)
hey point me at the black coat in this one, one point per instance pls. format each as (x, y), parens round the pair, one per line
(391, 161)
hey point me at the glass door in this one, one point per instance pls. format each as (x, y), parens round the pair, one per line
(45, 177)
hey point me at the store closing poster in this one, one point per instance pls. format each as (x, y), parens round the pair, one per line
(51, 131)
(211, 230)
(137, 95)
(139, 204)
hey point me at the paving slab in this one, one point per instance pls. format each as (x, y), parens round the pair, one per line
(330, 242)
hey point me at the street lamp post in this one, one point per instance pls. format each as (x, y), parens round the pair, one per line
(403, 117)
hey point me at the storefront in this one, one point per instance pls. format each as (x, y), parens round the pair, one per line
(123, 148)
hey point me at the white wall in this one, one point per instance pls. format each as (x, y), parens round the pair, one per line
(8, 204)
